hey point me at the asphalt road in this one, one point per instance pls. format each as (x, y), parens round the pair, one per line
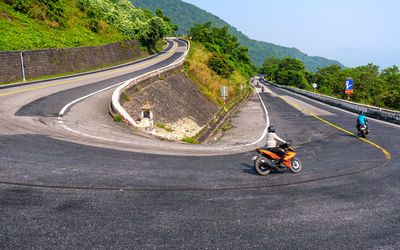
(59, 190)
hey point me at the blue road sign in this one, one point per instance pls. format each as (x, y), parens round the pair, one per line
(349, 86)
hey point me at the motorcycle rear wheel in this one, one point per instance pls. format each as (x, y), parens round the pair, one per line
(295, 165)
(261, 164)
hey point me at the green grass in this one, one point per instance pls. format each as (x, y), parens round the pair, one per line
(190, 140)
(161, 125)
(208, 81)
(232, 102)
(20, 32)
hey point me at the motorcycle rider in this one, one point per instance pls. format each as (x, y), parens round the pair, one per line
(361, 120)
(272, 139)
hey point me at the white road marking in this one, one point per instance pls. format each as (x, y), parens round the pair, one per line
(84, 97)
(343, 110)
(63, 125)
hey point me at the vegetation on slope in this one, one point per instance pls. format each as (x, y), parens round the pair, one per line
(186, 15)
(21, 32)
(216, 59)
(371, 86)
(34, 24)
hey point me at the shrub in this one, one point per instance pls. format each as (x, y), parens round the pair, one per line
(227, 126)
(130, 21)
(127, 97)
(219, 63)
(190, 140)
(53, 10)
(118, 118)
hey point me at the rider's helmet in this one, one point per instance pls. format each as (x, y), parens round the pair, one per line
(271, 129)
(361, 112)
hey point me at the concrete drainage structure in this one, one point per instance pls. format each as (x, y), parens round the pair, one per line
(117, 96)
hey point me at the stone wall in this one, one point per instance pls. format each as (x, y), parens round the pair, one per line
(46, 62)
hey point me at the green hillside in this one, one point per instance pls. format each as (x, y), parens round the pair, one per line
(186, 15)
(35, 24)
(19, 31)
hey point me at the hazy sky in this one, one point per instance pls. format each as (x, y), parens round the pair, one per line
(354, 32)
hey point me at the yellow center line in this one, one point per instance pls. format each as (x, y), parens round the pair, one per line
(387, 155)
(89, 77)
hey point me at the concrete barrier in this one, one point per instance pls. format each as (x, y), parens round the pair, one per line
(371, 111)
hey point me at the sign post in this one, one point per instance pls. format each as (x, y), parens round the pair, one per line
(314, 86)
(224, 93)
(349, 87)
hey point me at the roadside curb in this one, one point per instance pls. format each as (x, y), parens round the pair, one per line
(208, 132)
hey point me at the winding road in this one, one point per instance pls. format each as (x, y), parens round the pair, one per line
(88, 182)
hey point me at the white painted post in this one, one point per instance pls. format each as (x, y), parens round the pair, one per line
(22, 65)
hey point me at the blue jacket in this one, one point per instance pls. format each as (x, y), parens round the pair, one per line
(361, 119)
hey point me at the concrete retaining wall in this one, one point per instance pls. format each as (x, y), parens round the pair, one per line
(117, 97)
(371, 111)
(46, 62)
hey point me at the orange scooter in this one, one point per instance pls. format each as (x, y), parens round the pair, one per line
(266, 160)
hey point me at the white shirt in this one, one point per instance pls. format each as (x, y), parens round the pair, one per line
(272, 138)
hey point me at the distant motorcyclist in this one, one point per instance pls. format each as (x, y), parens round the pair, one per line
(272, 139)
(361, 120)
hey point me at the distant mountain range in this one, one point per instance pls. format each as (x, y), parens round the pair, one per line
(186, 15)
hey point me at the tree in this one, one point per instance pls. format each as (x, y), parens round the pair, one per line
(220, 42)
(329, 70)
(288, 63)
(391, 90)
(370, 85)
(220, 64)
(270, 67)
(290, 71)
(201, 33)
(272, 60)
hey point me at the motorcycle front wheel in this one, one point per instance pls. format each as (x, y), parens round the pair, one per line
(261, 165)
(295, 165)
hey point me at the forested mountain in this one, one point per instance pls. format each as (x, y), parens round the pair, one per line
(185, 15)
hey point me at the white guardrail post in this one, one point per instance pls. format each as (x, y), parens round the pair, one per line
(117, 107)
